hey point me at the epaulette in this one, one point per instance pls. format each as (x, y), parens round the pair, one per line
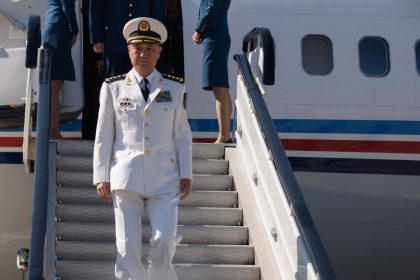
(173, 78)
(115, 78)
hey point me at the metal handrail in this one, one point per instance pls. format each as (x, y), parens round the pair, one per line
(27, 124)
(260, 36)
(40, 197)
(284, 170)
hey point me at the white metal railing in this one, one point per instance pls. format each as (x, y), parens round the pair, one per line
(27, 125)
(33, 42)
(274, 212)
(282, 213)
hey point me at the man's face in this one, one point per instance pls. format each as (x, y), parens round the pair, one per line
(144, 56)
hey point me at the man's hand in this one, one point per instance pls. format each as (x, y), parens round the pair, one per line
(185, 188)
(104, 190)
(98, 47)
(99, 66)
(73, 39)
(196, 37)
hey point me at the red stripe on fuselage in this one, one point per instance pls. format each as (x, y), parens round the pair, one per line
(355, 146)
(11, 142)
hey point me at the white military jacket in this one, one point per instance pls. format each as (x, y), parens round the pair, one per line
(142, 147)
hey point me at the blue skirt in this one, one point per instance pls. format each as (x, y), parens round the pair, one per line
(57, 39)
(215, 56)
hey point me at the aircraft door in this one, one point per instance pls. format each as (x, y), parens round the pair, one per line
(14, 16)
(13, 26)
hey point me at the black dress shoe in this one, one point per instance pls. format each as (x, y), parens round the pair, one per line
(229, 141)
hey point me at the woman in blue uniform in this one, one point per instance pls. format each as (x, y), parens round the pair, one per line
(59, 35)
(212, 32)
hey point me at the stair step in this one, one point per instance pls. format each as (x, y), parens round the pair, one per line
(84, 148)
(73, 270)
(185, 253)
(191, 234)
(201, 182)
(208, 151)
(186, 215)
(198, 198)
(214, 243)
(210, 166)
(200, 166)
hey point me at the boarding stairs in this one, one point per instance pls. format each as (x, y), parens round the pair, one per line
(80, 227)
(246, 218)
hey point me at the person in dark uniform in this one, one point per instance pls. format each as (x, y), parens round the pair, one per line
(212, 32)
(59, 35)
(93, 68)
(172, 58)
(107, 19)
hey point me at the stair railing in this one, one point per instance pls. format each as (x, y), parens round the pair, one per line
(33, 42)
(258, 47)
(40, 196)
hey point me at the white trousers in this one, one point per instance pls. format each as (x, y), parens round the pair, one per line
(163, 213)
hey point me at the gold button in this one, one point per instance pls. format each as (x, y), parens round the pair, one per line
(146, 125)
(146, 138)
(146, 152)
(130, 14)
(146, 112)
(106, 27)
(131, 5)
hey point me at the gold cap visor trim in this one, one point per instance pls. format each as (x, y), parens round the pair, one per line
(145, 39)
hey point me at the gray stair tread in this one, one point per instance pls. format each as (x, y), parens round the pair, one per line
(84, 148)
(75, 147)
(201, 182)
(210, 166)
(200, 166)
(186, 215)
(207, 150)
(185, 253)
(73, 270)
(191, 234)
(197, 198)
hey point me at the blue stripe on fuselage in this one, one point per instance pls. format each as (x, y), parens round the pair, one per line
(347, 126)
(11, 158)
(385, 127)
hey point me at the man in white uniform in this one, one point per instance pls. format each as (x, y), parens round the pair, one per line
(142, 154)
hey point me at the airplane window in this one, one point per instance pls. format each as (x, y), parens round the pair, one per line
(374, 57)
(317, 56)
(418, 56)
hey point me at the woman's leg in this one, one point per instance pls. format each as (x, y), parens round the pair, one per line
(55, 108)
(223, 112)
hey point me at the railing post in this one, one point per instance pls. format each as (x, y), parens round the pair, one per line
(40, 196)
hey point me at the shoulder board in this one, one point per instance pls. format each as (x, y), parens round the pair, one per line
(115, 78)
(173, 78)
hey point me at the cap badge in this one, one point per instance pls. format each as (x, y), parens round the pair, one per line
(144, 26)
